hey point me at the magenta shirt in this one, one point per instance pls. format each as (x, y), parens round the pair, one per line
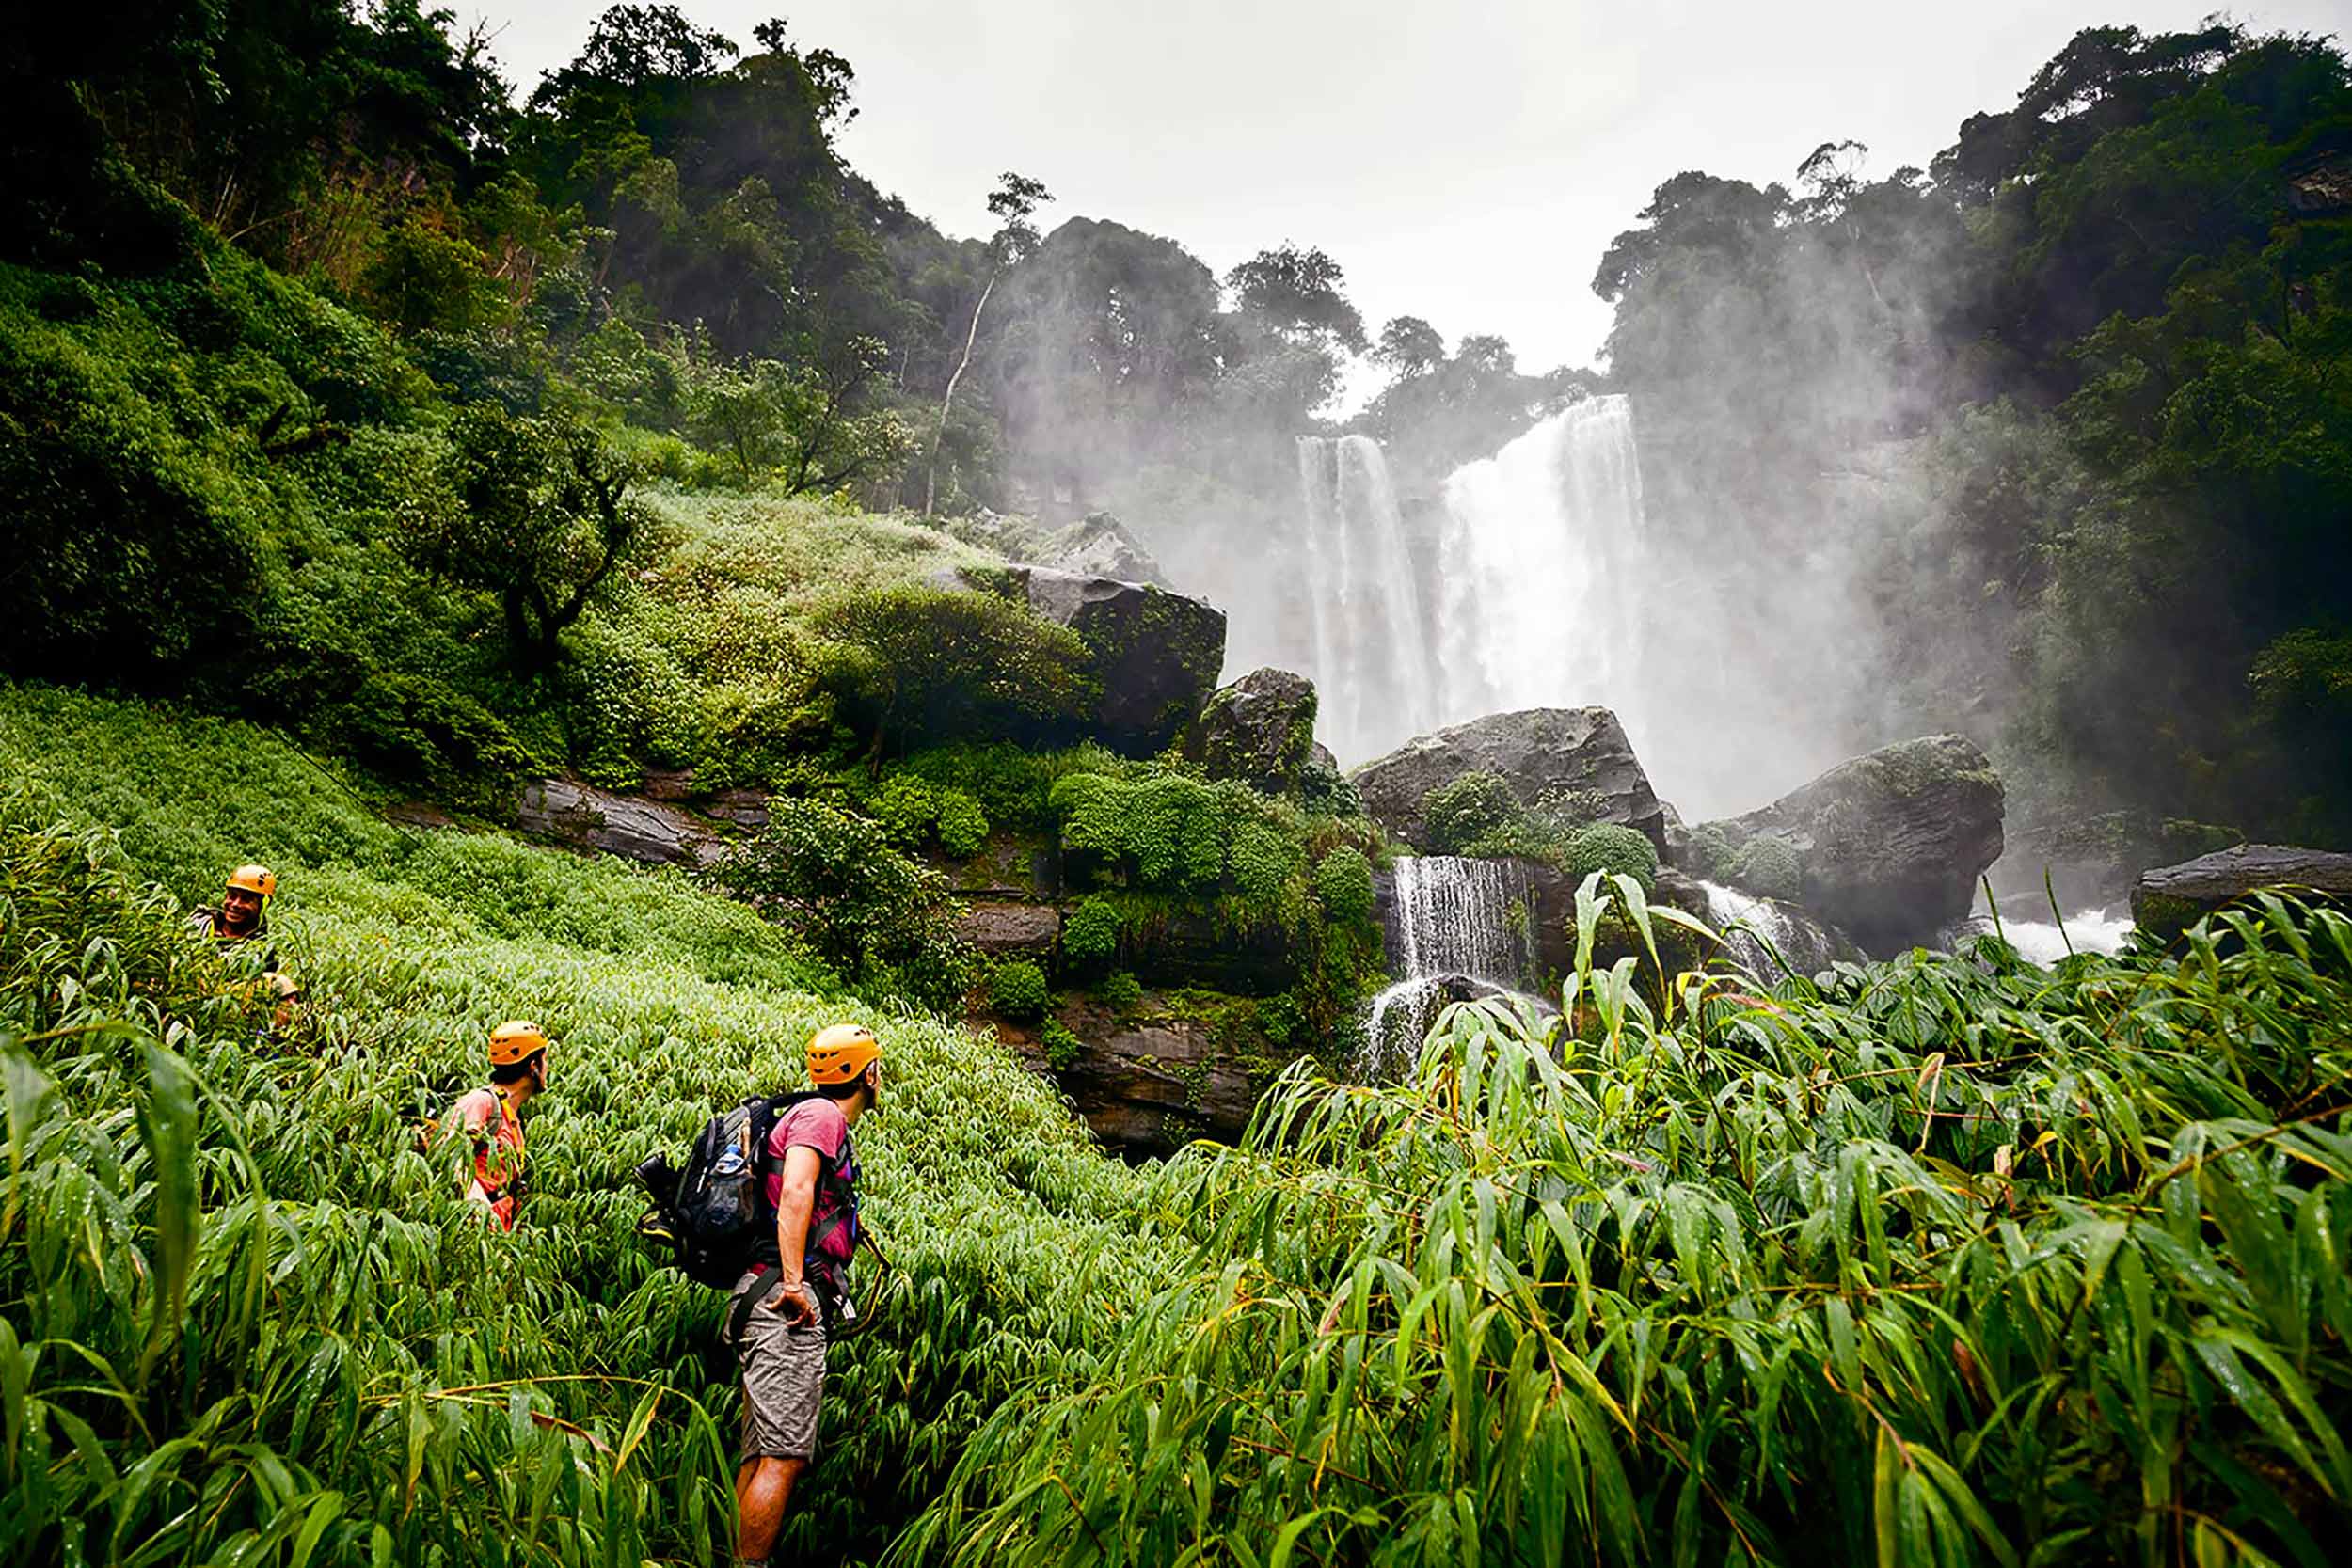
(817, 1124)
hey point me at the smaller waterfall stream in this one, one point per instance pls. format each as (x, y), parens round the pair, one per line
(1450, 921)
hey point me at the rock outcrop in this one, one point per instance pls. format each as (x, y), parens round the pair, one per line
(1890, 843)
(1001, 928)
(629, 826)
(1538, 752)
(2170, 899)
(1259, 730)
(1156, 653)
(1148, 1085)
(2092, 861)
(1096, 546)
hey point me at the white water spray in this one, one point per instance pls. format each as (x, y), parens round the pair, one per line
(2041, 942)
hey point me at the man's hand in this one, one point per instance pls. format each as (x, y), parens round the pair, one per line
(791, 1299)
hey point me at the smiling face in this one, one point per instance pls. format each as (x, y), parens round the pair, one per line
(240, 909)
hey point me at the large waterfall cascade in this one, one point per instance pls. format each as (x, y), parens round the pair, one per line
(1536, 596)
(1449, 917)
(1373, 674)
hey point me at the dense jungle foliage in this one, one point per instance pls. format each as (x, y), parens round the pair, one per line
(377, 434)
(1954, 1259)
(2076, 399)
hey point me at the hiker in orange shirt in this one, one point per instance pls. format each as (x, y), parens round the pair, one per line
(492, 1118)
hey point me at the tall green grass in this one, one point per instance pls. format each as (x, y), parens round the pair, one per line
(1954, 1261)
(242, 1318)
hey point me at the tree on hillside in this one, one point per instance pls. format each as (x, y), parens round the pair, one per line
(1013, 202)
(1299, 292)
(1409, 346)
(534, 512)
(797, 425)
(929, 665)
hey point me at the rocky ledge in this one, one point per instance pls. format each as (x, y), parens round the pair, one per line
(2172, 899)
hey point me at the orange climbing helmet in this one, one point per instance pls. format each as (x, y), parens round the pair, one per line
(260, 880)
(515, 1042)
(839, 1052)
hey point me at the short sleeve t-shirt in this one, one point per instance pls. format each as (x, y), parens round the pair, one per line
(817, 1124)
(498, 1137)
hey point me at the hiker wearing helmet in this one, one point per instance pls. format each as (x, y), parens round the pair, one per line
(244, 909)
(782, 1306)
(492, 1118)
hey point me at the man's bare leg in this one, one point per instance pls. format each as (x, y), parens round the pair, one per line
(763, 1489)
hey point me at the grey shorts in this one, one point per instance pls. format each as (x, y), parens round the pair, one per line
(783, 1374)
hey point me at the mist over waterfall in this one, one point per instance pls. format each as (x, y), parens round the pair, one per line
(1537, 578)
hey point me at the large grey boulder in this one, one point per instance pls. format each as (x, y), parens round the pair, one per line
(1538, 752)
(628, 826)
(1259, 730)
(1891, 843)
(2172, 899)
(1156, 653)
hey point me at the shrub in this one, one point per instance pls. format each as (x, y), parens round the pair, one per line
(936, 665)
(1343, 885)
(1707, 853)
(1326, 791)
(1280, 1018)
(1061, 1045)
(963, 825)
(1121, 993)
(1610, 847)
(1770, 865)
(1090, 933)
(1466, 809)
(1017, 990)
(884, 921)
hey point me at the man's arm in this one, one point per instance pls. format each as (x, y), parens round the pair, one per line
(799, 1199)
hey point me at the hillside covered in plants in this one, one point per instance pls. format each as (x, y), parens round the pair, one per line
(617, 566)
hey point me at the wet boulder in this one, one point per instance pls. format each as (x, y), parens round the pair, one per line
(1889, 845)
(1538, 751)
(2172, 899)
(1155, 654)
(1259, 730)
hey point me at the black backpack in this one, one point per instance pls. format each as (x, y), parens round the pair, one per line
(713, 1217)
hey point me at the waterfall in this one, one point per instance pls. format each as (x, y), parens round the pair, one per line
(1450, 920)
(1543, 582)
(1372, 670)
(1754, 929)
(2042, 943)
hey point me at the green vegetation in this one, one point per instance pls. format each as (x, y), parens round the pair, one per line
(1611, 847)
(1090, 933)
(276, 1305)
(1768, 864)
(1017, 990)
(2107, 327)
(884, 921)
(1990, 1257)
(1469, 811)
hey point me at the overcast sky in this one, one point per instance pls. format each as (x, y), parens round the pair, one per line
(1465, 161)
